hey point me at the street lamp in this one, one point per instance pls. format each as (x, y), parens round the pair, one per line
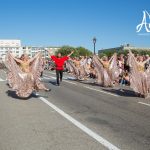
(94, 42)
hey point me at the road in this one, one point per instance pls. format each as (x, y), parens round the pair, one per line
(73, 116)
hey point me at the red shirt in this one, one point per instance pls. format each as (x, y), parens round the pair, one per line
(59, 62)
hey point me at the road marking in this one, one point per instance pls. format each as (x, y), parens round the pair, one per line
(45, 78)
(70, 82)
(144, 103)
(101, 91)
(63, 80)
(85, 86)
(55, 74)
(88, 131)
(1, 80)
(49, 77)
(52, 73)
(52, 77)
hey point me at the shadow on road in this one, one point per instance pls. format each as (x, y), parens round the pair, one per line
(13, 95)
(122, 92)
(52, 82)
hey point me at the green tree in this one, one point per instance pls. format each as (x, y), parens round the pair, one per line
(125, 52)
(83, 51)
(79, 51)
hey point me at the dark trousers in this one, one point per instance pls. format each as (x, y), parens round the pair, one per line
(59, 74)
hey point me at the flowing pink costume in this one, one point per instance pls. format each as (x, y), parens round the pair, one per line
(139, 80)
(24, 83)
(106, 76)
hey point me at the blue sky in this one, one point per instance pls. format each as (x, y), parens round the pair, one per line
(73, 22)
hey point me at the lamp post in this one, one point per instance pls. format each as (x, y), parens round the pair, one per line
(94, 42)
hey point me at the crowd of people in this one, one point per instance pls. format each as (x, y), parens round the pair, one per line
(132, 70)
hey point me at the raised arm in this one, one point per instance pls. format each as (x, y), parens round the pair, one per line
(146, 61)
(112, 57)
(101, 61)
(133, 57)
(70, 54)
(32, 59)
(16, 59)
(49, 53)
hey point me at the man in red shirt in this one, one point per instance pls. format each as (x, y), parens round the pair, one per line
(59, 62)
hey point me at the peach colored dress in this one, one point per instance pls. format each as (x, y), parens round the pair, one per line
(139, 78)
(24, 78)
(107, 72)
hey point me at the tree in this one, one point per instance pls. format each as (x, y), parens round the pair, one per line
(125, 52)
(79, 51)
(83, 51)
(65, 50)
(108, 53)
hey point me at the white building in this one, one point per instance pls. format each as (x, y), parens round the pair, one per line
(10, 45)
(32, 50)
(15, 47)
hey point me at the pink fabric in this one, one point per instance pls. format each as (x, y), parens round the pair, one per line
(106, 77)
(71, 67)
(139, 81)
(24, 83)
(80, 72)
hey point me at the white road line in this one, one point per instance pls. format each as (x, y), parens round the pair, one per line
(144, 103)
(70, 82)
(85, 86)
(49, 77)
(46, 77)
(52, 77)
(88, 131)
(52, 73)
(55, 74)
(63, 80)
(1, 80)
(101, 91)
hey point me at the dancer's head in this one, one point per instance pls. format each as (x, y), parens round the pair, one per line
(105, 58)
(77, 59)
(147, 56)
(24, 57)
(59, 55)
(141, 58)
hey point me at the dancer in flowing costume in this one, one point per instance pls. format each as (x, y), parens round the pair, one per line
(78, 68)
(72, 68)
(139, 77)
(83, 69)
(88, 66)
(68, 67)
(107, 71)
(24, 74)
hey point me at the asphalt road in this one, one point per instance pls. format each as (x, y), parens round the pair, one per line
(74, 116)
